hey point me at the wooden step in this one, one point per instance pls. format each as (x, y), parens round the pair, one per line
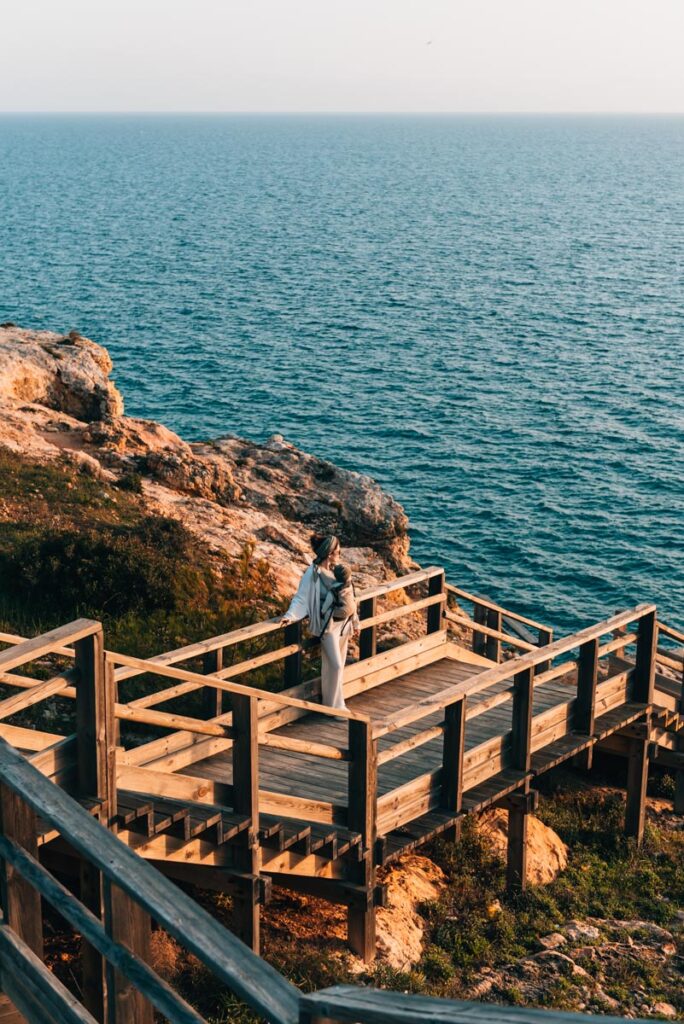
(488, 792)
(559, 751)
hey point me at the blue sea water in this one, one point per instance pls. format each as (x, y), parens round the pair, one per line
(484, 313)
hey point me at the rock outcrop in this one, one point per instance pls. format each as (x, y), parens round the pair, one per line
(587, 961)
(411, 882)
(57, 400)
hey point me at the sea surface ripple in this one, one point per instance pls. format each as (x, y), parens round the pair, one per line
(484, 313)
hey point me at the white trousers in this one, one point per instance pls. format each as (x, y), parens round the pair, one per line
(334, 643)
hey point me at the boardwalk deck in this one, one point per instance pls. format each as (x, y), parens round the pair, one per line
(278, 789)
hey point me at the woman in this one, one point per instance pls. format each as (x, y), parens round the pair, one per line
(334, 623)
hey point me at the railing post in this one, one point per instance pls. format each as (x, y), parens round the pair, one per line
(212, 697)
(479, 639)
(493, 644)
(452, 762)
(126, 922)
(545, 638)
(620, 631)
(21, 905)
(96, 752)
(584, 711)
(523, 695)
(362, 817)
(637, 780)
(368, 636)
(436, 585)
(292, 671)
(643, 678)
(246, 802)
(679, 747)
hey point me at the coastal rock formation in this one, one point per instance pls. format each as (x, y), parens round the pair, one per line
(411, 882)
(57, 401)
(588, 961)
(547, 854)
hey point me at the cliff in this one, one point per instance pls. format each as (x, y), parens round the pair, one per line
(58, 402)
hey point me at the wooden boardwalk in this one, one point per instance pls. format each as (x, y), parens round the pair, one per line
(270, 787)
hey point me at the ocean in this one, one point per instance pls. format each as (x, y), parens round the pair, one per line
(484, 313)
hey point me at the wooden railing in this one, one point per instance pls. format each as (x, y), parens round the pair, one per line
(512, 752)
(120, 894)
(486, 625)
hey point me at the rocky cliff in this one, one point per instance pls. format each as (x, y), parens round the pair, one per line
(58, 401)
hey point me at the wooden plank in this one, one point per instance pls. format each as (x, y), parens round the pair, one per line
(33, 988)
(452, 759)
(87, 924)
(482, 630)
(433, 604)
(637, 779)
(246, 801)
(351, 1003)
(60, 755)
(212, 699)
(251, 978)
(436, 592)
(400, 582)
(128, 924)
(459, 592)
(29, 650)
(21, 905)
(368, 635)
(28, 739)
(362, 818)
(292, 668)
(645, 661)
(507, 669)
(36, 694)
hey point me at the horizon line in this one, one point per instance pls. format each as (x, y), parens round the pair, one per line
(348, 113)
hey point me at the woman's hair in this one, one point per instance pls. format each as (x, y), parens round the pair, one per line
(323, 544)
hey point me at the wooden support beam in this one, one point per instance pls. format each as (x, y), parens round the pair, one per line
(96, 778)
(368, 639)
(212, 698)
(521, 742)
(643, 678)
(637, 779)
(436, 587)
(545, 638)
(126, 922)
(493, 643)
(362, 816)
(21, 905)
(452, 762)
(479, 639)
(246, 801)
(292, 664)
(584, 713)
(679, 774)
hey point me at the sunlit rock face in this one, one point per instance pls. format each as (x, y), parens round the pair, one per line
(58, 401)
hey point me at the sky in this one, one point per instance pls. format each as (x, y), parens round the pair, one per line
(343, 55)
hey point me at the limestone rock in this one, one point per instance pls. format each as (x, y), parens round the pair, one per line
(68, 374)
(547, 854)
(57, 401)
(412, 881)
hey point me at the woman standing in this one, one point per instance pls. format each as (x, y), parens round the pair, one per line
(331, 613)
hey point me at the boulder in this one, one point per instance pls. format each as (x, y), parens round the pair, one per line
(547, 854)
(411, 882)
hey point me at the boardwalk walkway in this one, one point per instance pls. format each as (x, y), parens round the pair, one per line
(465, 711)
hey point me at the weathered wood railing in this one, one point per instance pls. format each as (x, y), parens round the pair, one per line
(114, 916)
(487, 626)
(509, 756)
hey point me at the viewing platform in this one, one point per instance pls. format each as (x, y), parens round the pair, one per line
(464, 711)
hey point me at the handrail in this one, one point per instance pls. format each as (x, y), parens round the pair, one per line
(485, 602)
(671, 632)
(479, 627)
(251, 978)
(499, 673)
(214, 681)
